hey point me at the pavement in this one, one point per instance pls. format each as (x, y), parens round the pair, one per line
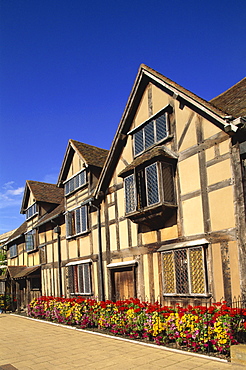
(33, 344)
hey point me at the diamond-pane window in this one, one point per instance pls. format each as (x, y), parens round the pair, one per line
(152, 132)
(161, 128)
(149, 135)
(76, 221)
(184, 271)
(75, 182)
(130, 200)
(138, 142)
(152, 184)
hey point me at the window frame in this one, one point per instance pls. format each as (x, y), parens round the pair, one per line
(75, 272)
(33, 207)
(32, 233)
(137, 192)
(11, 249)
(72, 180)
(72, 229)
(188, 250)
(143, 127)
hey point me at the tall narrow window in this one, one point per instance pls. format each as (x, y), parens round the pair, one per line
(30, 240)
(130, 194)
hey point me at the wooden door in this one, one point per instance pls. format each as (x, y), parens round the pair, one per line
(123, 283)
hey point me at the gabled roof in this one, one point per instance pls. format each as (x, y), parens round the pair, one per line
(42, 192)
(18, 233)
(90, 155)
(4, 237)
(145, 76)
(58, 211)
(233, 100)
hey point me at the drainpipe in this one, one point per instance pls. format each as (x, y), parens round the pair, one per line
(100, 262)
(57, 230)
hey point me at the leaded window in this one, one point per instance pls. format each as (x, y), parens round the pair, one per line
(77, 221)
(31, 211)
(148, 186)
(79, 279)
(184, 271)
(75, 182)
(30, 240)
(13, 251)
(152, 132)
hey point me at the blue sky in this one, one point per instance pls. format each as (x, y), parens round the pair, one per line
(67, 68)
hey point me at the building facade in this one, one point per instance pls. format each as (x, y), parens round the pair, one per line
(161, 216)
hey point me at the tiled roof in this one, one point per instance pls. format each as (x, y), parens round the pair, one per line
(25, 272)
(233, 100)
(44, 192)
(158, 151)
(60, 209)
(92, 155)
(5, 236)
(18, 232)
(14, 270)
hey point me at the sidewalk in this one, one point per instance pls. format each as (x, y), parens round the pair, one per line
(28, 344)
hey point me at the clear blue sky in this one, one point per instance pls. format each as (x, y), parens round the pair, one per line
(67, 68)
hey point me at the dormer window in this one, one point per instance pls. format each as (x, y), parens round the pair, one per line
(31, 211)
(75, 182)
(150, 133)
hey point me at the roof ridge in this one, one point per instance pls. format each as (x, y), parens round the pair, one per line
(224, 92)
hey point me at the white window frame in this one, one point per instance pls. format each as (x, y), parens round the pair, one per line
(33, 209)
(73, 178)
(80, 267)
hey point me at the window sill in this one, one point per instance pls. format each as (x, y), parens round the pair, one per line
(81, 294)
(174, 295)
(32, 250)
(156, 214)
(74, 191)
(76, 235)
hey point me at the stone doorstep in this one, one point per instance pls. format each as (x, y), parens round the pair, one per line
(238, 354)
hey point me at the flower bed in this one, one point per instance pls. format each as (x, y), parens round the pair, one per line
(196, 328)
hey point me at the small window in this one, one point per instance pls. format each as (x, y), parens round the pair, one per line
(75, 182)
(184, 271)
(13, 251)
(31, 211)
(77, 221)
(30, 240)
(151, 133)
(79, 279)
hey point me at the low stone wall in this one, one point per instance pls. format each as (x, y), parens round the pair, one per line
(238, 354)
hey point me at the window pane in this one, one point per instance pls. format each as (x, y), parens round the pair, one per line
(168, 272)
(130, 194)
(138, 142)
(141, 190)
(168, 183)
(71, 184)
(87, 280)
(149, 135)
(197, 271)
(76, 182)
(181, 271)
(161, 127)
(83, 218)
(77, 221)
(82, 179)
(67, 188)
(29, 241)
(152, 184)
(70, 279)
